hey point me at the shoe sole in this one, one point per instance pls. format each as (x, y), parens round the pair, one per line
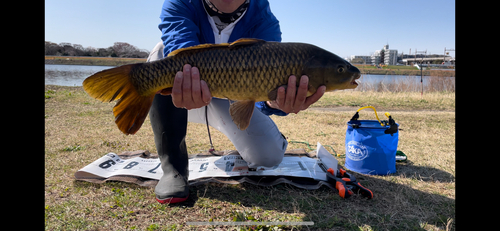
(172, 200)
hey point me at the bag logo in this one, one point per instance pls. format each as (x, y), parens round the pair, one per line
(356, 151)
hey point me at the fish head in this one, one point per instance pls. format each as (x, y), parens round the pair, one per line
(328, 69)
(340, 74)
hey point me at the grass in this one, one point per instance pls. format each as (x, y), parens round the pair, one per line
(419, 196)
(389, 100)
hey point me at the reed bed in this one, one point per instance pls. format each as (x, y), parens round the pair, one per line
(409, 84)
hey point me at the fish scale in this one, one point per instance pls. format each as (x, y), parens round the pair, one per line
(247, 71)
(242, 75)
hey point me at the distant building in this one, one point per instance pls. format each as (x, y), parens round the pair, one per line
(366, 58)
(390, 56)
(375, 58)
(385, 56)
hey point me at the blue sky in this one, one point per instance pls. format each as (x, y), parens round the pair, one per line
(345, 28)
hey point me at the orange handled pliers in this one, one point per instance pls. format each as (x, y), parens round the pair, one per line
(347, 184)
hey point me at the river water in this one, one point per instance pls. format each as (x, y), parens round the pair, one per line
(69, 75)
(73, 75)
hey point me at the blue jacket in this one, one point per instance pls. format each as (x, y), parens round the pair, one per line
(184, 23)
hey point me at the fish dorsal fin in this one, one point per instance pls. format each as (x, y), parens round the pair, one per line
(235, 44)
(245, 41)
(201, 46)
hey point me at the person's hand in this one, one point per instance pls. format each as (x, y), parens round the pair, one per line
(293, 100)
(189, 91)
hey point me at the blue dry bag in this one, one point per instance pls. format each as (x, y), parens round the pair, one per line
(371, 145)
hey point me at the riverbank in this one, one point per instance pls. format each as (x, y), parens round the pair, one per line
(365, 69)
(438, 73)
(93, 61)
(403, 70)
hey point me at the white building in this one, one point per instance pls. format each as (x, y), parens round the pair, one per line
(375, 58)
(390, 57)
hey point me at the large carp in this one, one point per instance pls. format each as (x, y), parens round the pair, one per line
(247, 70)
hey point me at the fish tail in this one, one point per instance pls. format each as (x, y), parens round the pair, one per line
(115, 84)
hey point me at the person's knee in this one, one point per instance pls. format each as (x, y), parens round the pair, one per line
(270, 161)
(156, 53)
(267, 155)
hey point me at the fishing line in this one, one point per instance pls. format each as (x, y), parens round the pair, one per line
(212, 149)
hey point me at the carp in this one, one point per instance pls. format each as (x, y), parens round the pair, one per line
(245, 71)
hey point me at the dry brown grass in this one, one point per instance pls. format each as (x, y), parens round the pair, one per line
(386, 100)
(420, 195)
(408, 84)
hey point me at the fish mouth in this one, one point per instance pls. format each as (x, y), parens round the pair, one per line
(356, 74)
(353, 83)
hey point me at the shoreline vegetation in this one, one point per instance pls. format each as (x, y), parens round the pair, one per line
(93, 61)
(365, 69)
(403, 70)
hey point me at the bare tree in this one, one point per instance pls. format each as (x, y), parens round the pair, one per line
(119, 49)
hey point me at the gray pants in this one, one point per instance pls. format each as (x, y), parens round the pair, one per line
(261, 144)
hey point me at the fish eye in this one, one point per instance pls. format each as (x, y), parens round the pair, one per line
(341, 69)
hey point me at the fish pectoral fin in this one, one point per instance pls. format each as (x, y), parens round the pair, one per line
(311, 90)
(245, 41)
(166, 91)
(241, 113)
(273, 95)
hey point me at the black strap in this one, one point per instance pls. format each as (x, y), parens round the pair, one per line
(355, 116)
(208, 129)
(393, 128)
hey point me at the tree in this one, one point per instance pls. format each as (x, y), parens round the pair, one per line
(90, 51)
(358, 61)
(101, 52)
(51, 48)
(119, 49)
(123, 49)
(79, 50)
(67, 49)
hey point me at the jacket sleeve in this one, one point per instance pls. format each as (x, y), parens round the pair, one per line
(270, 31)
(262, 106)
(177, 25)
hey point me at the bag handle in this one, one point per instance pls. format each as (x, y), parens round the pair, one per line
(356, 116)
(393, 128)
